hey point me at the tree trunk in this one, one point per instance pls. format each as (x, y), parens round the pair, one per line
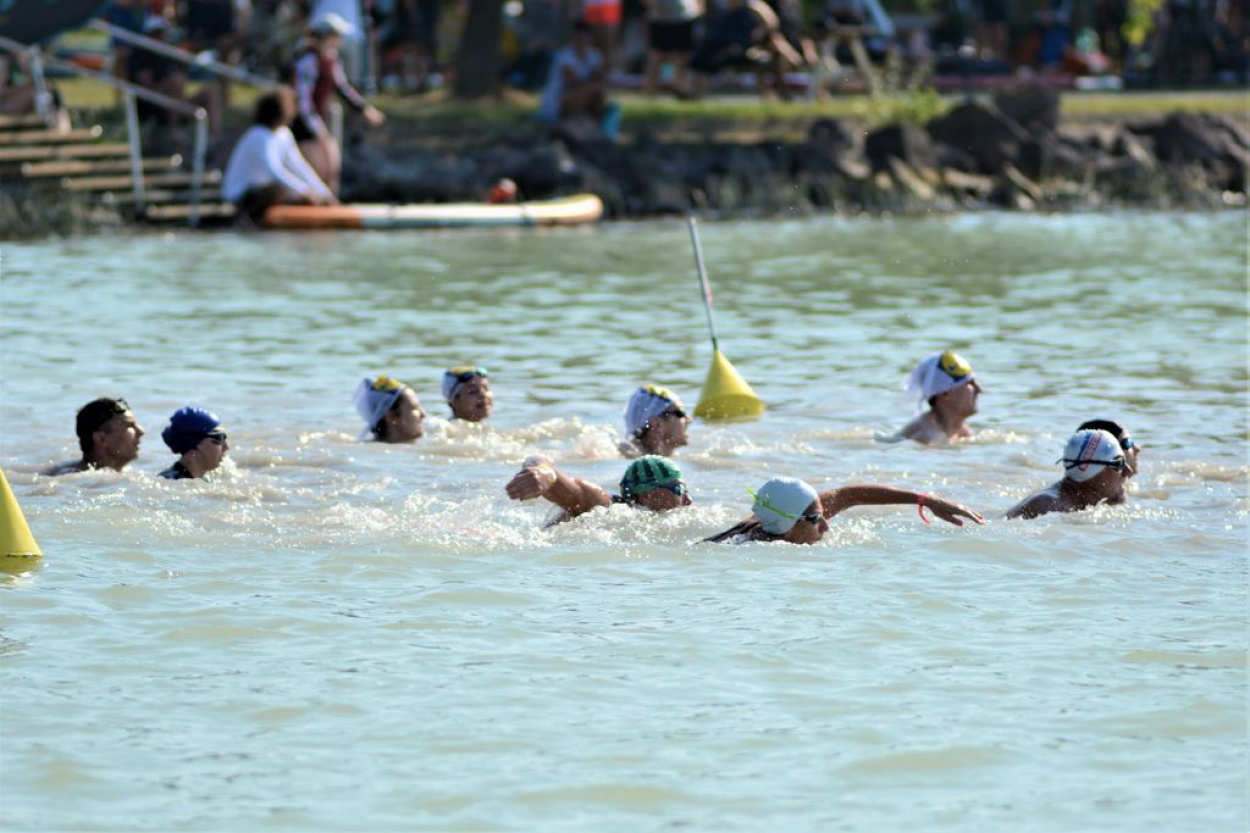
(477, 60)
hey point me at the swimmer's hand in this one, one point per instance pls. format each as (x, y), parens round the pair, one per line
(532, 481)
(951, 512)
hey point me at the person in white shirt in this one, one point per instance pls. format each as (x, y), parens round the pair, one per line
(576, 84)
(266, 167)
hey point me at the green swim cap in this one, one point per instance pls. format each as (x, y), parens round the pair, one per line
(647, 473)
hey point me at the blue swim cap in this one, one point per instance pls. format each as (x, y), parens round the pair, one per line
(187, 427)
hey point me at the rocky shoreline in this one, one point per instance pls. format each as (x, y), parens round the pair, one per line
(1013, 153)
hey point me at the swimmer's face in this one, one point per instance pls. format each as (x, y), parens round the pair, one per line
(473, 402)
(805, 531)
(405, 421)
(212, 450)
(667, 431)
(963, 399)
(663, 498)
(1131, 452)
(116, 442)
(1109, 483)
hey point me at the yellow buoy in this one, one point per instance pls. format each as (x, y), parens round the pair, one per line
(726, 395)
(16, 542)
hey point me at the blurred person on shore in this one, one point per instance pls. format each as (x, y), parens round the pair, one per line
(945, 382)
(164, 75)
(266, 167)
(652, 482)
(198, 439)
(220, 29)
(319, 75)
(670, 42)
(790, 510)
(576, 89)
(1095, 471)
(467, 390)
(108, 436)
(391, 410)
(656, 422)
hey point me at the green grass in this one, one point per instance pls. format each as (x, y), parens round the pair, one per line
(740, 116)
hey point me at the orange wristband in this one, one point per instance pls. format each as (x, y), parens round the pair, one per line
(920, 507)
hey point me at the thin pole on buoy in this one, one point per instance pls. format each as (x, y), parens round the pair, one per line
(725, 395)
(15, 538)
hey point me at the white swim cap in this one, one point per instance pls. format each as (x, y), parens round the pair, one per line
(936, 375)
(781, 502)
(1089, 452)
(647, 403)
(374, 397)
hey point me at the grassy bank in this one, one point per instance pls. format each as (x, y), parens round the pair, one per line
(740, 116)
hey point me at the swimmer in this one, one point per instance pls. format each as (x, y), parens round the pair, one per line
(652, 482)
(467, 390)
(1095, 468)
(790, 510)
(108, 434)
(390, 409)
(947, 383)
(197, 436)
(1127, 444)
(655, 422)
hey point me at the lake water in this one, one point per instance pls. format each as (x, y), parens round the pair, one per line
(334, 635)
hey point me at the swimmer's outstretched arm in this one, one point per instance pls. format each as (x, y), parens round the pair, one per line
(834, 501)
(538, 478)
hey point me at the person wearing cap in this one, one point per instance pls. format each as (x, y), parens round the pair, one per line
(319, 74)
(390, 409)
(656, 422)
(266, 167)
(467, 390)
(652, 482)
(946, 382)
(790, 510)
(1095, 470)
(108, 434)
(1127, 444)
(197, 437)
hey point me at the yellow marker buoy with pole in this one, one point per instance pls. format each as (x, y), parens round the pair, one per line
(18, 549)
(725, 395)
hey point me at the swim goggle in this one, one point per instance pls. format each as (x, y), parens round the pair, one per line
(1119, 464)
(462, 375)
(217, 437)
(813, 518)
(677, 487)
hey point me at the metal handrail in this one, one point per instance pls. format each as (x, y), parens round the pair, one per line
(131, 92)
(201, 60)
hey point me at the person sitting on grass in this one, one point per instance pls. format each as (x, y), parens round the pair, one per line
(467, 390)
(1095, 470)
(266, 167)
(198, 438)
(656, 422)
(652, 482)
(108, 434)
(390, 409)
(790, 510)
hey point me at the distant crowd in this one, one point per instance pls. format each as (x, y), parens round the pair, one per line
(1097, 460)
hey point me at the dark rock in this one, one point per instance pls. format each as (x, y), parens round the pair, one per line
(991, 138)
(899, 141)
(1031, 106)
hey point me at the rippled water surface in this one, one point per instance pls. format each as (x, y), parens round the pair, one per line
(335, 635)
